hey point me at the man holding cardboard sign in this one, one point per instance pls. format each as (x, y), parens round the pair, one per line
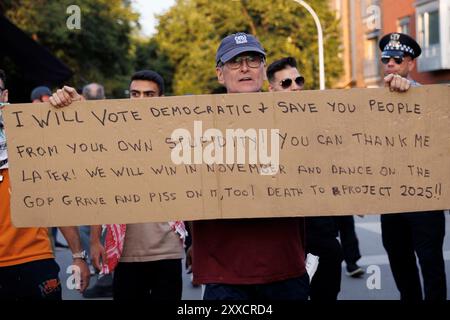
(243, 258)
(406, 235)
(248, 258)
(28, 270)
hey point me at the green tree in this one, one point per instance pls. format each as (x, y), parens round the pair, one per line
(100, 51)
(147, 55)
(190, 32)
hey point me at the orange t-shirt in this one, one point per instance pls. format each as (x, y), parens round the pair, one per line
(19, 245)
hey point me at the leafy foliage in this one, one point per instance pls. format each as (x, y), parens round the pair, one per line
(100, 51)
(108, 50)
(190, 32)
(147, 55)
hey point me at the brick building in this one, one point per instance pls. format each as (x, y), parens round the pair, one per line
(364, 22)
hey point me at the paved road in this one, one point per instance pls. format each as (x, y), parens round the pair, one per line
(374, 258)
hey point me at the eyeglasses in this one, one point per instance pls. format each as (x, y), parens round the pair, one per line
(397, 59)
(252, 61)
(286, 83)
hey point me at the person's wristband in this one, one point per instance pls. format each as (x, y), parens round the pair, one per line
(80, 255)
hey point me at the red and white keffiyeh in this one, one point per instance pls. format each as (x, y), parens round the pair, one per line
(115, 237)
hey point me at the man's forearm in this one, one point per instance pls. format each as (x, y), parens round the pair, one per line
(72, 236)
(96, 233)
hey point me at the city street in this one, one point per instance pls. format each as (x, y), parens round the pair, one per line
(373, 258)
(128, 111)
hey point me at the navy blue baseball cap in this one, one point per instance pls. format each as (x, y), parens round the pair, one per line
(235, 44)
(38, 92)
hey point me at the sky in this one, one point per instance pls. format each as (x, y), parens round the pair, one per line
(147, 10)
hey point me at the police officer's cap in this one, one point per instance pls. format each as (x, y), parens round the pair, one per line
(394, 43)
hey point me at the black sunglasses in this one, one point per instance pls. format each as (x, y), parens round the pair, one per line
(397, 59)
(286, 83)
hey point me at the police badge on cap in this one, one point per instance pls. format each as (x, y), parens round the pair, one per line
(394, 43)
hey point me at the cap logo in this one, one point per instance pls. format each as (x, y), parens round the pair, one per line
(394, 42)
(395, 36)
(240, 39)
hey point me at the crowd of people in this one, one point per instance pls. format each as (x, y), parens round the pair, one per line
(234, 259)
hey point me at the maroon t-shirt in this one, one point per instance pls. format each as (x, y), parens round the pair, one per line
(248, 251)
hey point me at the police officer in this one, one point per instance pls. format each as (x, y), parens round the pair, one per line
(406, 235)
(399, 52)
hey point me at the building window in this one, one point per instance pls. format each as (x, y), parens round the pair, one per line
(433, 26)
(371, 63)
(370, 49)
(403, 25)
(428, 28)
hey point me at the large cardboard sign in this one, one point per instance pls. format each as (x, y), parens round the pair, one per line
(332, 152)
